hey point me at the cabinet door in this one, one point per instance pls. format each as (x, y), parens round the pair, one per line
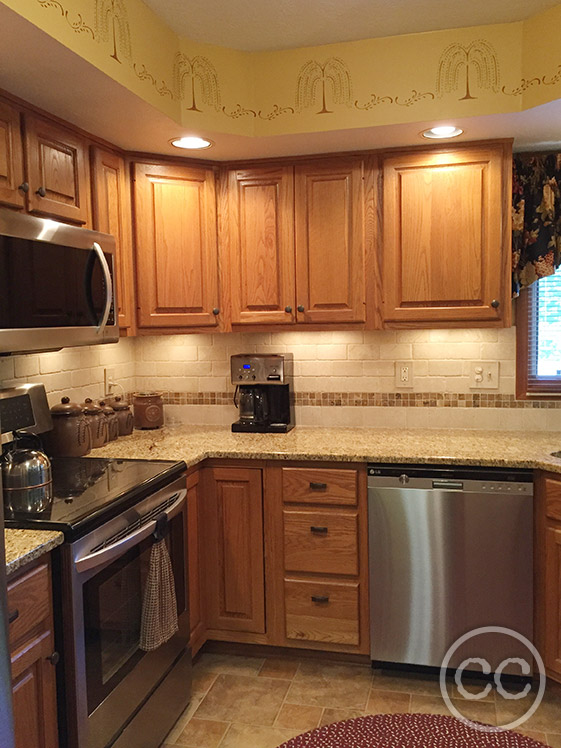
(553, 600)
(34, 693)
(176, 246)
(112, 215)
(261, 239)
(196, 621)
(443, 242)
(57, 171)
(234, 549)
(330, 241)
(11, 157)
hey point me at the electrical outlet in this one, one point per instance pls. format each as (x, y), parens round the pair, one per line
(484, 375)
(404, 374)
(108, 380)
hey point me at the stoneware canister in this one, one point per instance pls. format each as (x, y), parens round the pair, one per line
(112, 422)
(124, 416)
(70, 436)
(97, 422)
(148, 410)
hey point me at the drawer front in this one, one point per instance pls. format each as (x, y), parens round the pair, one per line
(323, 542)
(553, 498)
(319, 486)
(322, 611)
(29, 596)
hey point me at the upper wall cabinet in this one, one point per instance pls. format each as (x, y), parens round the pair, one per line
(446, 241)
(261, 240)
(112, 215)
(176, 246)
(12, 181)
(57, 171)
(330, 241)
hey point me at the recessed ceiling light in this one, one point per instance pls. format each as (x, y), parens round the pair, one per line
(191, 142)
(442, 131)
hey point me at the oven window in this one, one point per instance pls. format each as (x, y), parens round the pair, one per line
(113, 610)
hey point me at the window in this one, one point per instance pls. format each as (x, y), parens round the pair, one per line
(538, 336)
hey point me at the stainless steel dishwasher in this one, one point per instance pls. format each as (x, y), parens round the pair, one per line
(450, 551)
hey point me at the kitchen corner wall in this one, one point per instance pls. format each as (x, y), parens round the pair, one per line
(341, 378)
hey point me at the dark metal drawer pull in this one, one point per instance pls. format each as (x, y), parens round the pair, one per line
(13, 616)
(320, 598)
(319, 530)
(317, 486)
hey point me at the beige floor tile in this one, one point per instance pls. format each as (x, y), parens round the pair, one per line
(329, 691)
(303, 718)
(533, 735)
(279, 667)
(250, 736)
(388, 702)
(384, 680)
(472, 687)
(330, 716)
(476, 711)
(547, 717)
(235, 664)
(202, 733)
(323, 670)
(179, 726)
(553, 740)
(251, 700)
(202, 680)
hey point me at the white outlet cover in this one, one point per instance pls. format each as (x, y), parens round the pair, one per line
(484, 375)
(404, 374)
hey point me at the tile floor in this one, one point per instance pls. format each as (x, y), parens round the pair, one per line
(252, 702)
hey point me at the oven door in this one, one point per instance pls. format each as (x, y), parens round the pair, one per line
(112, 677)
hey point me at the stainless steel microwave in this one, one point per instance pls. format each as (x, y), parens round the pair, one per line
(57, 285)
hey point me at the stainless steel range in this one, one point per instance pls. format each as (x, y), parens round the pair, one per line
(111, 692)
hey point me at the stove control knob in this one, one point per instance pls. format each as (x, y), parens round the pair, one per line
(403, 479)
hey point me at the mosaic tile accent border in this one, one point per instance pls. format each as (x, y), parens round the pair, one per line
(377, 399)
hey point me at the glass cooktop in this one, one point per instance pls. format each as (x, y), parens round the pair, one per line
(88, 491)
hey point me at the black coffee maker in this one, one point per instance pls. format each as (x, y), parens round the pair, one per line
(262, 394)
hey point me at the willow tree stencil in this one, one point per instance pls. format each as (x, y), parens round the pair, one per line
(479, 56)
(112, 23)
(313, 75)
(186, 71)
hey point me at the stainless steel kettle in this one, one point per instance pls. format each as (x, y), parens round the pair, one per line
(26, 478)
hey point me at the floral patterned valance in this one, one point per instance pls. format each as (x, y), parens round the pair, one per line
(536, 217)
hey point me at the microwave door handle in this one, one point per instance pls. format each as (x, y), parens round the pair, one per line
(120, 547)
(108, 286)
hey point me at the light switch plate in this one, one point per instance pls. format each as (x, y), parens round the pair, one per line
(404, 374)
(484, 375)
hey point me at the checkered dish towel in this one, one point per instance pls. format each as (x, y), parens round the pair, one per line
(159, 609)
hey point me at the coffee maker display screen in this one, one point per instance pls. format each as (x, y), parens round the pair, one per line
(247, 366)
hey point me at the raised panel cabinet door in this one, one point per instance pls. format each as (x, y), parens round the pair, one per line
(11, 157)
(176, 246)
(330, 241)
(261, 239)
(112, 215)
(234, 546)
(444, 244)
(553, 600)
(57, 171)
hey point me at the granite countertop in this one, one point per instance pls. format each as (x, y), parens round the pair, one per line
(529, 449)
(23, 546)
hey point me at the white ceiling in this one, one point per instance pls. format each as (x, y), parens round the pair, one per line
(280, 24)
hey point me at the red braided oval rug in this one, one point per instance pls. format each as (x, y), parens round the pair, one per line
(407, 731)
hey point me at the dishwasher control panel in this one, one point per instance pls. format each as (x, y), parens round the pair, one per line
(467, 479)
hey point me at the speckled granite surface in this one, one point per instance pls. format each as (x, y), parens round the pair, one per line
(530, 449)
(23, 546)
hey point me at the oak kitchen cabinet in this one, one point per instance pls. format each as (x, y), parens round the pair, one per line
(194, 553)
(548, 572)
(297, 239)
(12, 187)
(112, 215)
(446, 236)
(33, 658)
(176, 246)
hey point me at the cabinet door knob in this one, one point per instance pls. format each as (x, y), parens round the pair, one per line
(318, 530)
(320, 598)
(24, 187)
(216, 311)
(41, 192)
(495, 303)
(13, 616)
(288, 309)
(54, 658)
(300, 307)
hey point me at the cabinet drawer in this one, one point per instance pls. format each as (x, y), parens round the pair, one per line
(322, 542)
(29, 595)
(319, 486)
(553, 498)
(322, 611)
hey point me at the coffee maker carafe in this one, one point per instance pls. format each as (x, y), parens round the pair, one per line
(262, 392)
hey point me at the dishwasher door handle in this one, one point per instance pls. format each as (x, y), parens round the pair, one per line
(455, 485)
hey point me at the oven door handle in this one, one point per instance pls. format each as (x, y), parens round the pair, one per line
(121, 546)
